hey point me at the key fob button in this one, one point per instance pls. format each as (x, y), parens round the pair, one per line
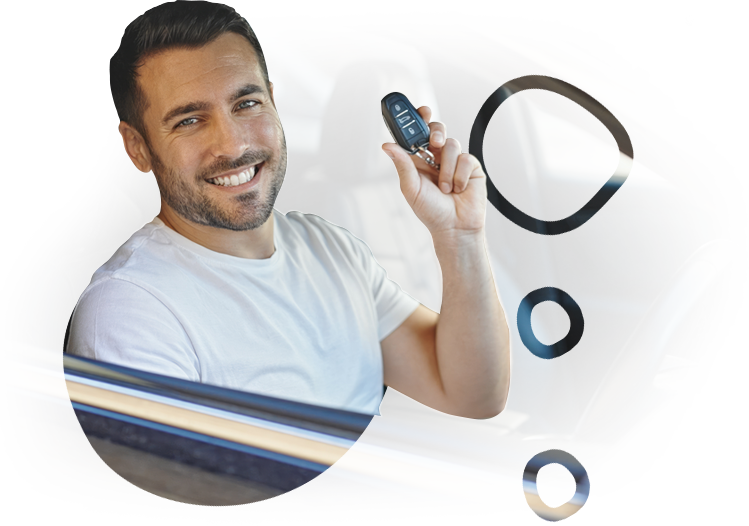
(404, 119)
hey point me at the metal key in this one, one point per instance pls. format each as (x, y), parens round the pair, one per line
(407, 127)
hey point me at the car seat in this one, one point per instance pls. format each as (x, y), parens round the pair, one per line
(48, 267)
(356, 187)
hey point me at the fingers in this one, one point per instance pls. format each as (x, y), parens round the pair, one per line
(425, 112)
(456, 168)
(467, 166)
(437, 132)
(448, 164)
(409, 177)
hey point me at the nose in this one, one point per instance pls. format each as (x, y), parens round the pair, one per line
(230, 138)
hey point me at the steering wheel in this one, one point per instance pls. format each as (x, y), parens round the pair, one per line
(679, 322)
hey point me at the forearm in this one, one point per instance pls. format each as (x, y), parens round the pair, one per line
(472, 336)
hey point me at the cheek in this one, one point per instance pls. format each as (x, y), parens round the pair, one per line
(267, 130)
(189, 158)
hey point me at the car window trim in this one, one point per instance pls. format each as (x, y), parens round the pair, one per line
(547, 499)
(549, 460)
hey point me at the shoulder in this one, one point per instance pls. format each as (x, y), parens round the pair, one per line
(319, 233)
(148, 257)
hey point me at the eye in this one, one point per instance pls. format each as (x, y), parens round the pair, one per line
(187, 122)
(247, 104)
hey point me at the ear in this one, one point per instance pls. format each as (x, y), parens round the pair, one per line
(135, 146)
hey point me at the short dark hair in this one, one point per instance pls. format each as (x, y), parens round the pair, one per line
(179, 24)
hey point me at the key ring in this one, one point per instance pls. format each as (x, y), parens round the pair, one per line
(429, 159)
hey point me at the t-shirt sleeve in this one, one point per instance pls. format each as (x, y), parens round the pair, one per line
(119, 322)
(392, 303)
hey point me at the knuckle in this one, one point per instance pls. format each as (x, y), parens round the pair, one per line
(466, 157)
(452, 143)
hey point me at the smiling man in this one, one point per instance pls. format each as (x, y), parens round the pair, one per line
(221, 288)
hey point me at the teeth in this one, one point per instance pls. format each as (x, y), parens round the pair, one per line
(235, 180)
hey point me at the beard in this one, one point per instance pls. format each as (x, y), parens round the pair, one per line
(248, 211)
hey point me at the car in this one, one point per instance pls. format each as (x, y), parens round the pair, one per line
(616, 146)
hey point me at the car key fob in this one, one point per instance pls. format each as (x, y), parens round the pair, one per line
(406, 126)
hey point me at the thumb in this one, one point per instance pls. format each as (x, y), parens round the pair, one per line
(404, 165)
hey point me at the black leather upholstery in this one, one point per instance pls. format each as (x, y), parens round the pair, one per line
(49, 266)
(357, 188)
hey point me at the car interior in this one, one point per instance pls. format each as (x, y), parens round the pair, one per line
(578, 255)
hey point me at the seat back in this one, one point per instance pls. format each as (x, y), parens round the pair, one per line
(356, 187)
(48, 267)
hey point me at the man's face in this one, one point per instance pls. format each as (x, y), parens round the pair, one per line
(216, 144)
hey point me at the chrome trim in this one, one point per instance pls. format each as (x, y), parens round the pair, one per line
(504, 495)
(707, 145)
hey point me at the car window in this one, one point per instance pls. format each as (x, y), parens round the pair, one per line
(564, 148)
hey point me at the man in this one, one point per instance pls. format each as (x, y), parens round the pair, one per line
(222, 289)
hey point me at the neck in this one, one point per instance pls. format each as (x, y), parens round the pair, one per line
(248, 244)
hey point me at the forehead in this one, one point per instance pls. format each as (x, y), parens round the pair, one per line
(183, 75)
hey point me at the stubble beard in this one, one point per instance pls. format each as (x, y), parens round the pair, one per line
(192, 202)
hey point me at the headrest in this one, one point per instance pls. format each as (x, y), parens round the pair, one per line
(114, 202)
(353, 129)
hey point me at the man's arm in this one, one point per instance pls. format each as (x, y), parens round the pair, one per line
(457, 361)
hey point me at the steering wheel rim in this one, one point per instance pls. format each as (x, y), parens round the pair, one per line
(680, 322)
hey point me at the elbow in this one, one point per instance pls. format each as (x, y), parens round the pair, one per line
(484, 411)
(494, 410)
(496, 403)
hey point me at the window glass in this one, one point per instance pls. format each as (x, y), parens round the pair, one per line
(565, 148)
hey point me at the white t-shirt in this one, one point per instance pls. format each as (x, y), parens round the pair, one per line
(304, 324)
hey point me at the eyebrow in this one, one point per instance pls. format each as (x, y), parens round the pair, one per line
(247, 89)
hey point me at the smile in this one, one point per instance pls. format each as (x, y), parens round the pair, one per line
(236, 179)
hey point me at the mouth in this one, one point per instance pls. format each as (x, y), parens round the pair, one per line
(236, 179)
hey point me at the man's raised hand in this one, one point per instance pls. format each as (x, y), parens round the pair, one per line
(451, 202)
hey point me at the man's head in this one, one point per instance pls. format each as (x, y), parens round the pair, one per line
(191, 88)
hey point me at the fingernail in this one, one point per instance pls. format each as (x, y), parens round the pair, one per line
(389, 154)
(445, 188)
(437, 136)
